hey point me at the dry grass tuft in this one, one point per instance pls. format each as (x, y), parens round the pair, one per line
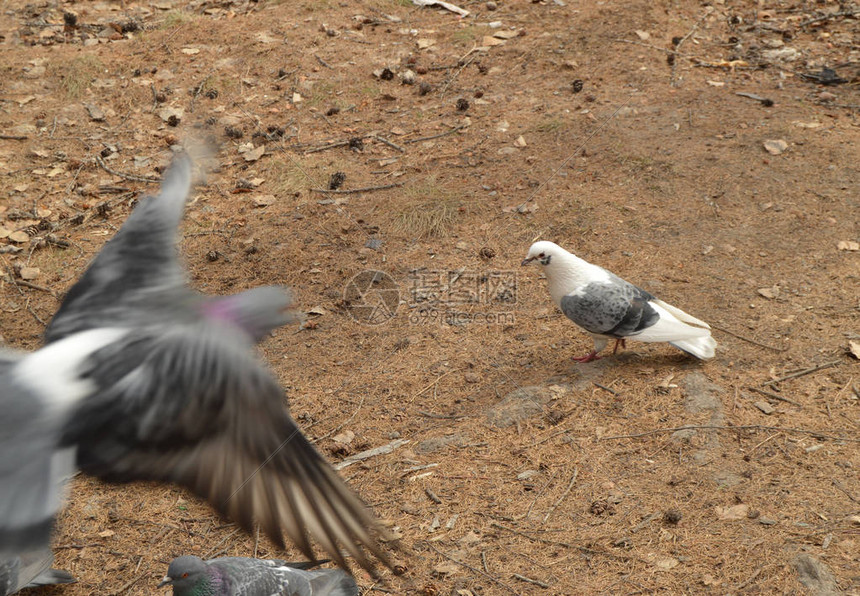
(430, 211)
(78, 74)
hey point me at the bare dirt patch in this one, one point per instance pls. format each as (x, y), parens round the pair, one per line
(616, 129)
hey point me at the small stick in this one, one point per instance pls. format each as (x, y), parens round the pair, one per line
(803, 372)
(605, 388)
(33, 286)
(849, 495)
(456, 74)
(256, 541)
(389, 143)
(441, 134)
(323, 62)
(484, 560)
(529, 580)
(432, 496)
(563, 495)
(746, 339)
(841, 13)
(6, 137)
(217, 546)
(104, 166)
(381, 450)
(440, 416)
(130, 583)
(804, 431)
(648, 519)
(774, 396)
(475, 570)
(584, 549)
(327, 147)
(351, 191)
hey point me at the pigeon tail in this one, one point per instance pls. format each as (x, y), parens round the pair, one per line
(700, 347)
(670, 327)
(52, 577)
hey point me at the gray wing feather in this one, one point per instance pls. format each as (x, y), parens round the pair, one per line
(256, 577)
(135, 268)
(192, 405)
(615, 307)
(30, 570)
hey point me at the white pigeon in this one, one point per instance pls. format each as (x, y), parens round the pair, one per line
(610, 308)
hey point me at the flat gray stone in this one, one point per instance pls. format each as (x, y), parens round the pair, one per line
(815, 575)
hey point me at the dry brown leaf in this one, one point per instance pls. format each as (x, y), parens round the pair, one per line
(854, 348)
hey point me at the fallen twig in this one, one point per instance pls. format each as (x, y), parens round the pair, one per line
(605, 388)
(104, 166)
(563, 495)
(492, 578)
(441, 134)
(529, 580)
(584, 549)
(323, 62)
(803, 372)
(774, 396)
(803, 431)
(6, 137)
(355, 190)
(849, 495)
(327, 147)
(835, 15)
(389, 143)
(456, 74)
(746, 339)
(381, 450)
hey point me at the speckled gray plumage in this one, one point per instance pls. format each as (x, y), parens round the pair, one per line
(615, 308)
(240, 576)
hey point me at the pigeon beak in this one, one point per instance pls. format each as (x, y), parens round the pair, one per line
(165, 581)
(527, 261)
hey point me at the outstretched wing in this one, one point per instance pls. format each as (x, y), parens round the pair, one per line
(135, 267)
(193, 406)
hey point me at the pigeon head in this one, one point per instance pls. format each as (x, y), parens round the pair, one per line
(543, 252)
(256, 312)
(185, 574)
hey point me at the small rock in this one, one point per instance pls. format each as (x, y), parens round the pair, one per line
(461, 245)
(28, 273)
(766, 521)
(848, 245)
(815, 575)
(733, 513)
(19, 236)
(765, 407)
(520, 142)
(373, 243)
(775, 146)
(492, 5)
(95, 112)
(264, 200)
(471, 377)
(346, 437)
(527, 474)
(769, 293)
(643, 35)
(780, 55)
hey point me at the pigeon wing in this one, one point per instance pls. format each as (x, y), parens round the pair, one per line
(613, 307)
(193, 406)
(138, 264)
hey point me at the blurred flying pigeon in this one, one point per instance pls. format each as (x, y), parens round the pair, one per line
(30, 570)
(38, 393)
(239, 576)
(183, 397)
(610, 308)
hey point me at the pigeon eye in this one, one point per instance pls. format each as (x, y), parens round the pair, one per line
(541, 255)
(185, 575)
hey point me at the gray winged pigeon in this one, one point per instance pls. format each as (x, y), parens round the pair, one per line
(610, 308)
(241, 576)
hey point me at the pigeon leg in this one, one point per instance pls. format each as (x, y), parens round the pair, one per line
(599, 344)
(592, 355)
(619, 342)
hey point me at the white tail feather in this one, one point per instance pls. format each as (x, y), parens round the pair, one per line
(669, 327)
(680, 314)
(700, 347)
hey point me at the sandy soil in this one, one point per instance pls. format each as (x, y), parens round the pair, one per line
(577, 122)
